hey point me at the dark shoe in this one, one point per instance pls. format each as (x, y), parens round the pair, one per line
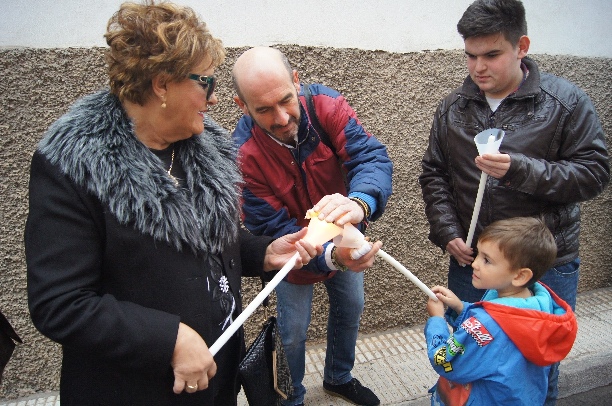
(354, 392)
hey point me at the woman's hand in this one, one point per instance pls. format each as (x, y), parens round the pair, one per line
(192, 362)
(282, 249)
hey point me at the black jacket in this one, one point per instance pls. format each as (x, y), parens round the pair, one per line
(117, 255)
(558, 152)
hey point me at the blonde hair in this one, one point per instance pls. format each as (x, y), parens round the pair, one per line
(151, 39)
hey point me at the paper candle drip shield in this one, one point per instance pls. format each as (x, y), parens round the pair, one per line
(320, 231)
(486, 144)
(350, 237)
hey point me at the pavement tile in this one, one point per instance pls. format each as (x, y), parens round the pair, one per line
(394, 363)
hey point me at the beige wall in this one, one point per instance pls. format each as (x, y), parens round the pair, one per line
(394, 94)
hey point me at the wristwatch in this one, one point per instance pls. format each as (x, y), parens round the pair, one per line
(335, 262)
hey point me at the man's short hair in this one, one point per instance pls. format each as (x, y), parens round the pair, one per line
(486, 17)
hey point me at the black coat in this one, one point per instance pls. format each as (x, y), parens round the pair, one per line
(113, 269)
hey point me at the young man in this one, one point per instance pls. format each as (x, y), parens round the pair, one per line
(287, 170)
(502, 348)
(553, 155)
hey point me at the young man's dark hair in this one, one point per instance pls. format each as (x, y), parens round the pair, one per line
(491, 17)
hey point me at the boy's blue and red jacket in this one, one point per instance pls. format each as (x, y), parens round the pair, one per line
(280, 184)
(500, 350)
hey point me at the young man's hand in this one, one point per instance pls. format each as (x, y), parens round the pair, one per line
(495, 165)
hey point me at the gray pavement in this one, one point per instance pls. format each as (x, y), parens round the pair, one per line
(394, 363)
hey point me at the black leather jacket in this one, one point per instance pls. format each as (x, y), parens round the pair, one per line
(558, 152)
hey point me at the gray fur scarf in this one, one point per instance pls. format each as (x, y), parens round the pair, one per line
(94, 145)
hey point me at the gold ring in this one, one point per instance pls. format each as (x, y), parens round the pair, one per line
(192, 386)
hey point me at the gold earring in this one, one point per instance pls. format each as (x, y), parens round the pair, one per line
(163, 105)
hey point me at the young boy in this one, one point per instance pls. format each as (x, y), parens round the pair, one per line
(502, 347)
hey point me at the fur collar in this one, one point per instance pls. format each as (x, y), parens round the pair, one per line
(94, 145)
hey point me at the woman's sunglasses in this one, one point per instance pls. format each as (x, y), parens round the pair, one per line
(207, 82)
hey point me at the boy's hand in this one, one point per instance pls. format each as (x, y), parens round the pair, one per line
(435, 308)
(447, 297)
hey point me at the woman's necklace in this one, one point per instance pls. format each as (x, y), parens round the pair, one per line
(170, 169)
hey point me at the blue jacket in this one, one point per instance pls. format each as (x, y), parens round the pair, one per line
(280, 184)
(501, 349)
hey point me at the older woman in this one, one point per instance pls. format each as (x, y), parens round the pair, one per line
(133, 243)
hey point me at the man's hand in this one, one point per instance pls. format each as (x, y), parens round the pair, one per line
(282, 249)
(495, 165)
(192, 362)
(339, 209)
(461, 252)
(343, 255)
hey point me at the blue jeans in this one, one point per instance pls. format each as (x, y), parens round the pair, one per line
(294, 302)
(563, 280)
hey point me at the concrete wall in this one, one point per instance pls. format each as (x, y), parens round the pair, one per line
(556, 27)
(394, 94)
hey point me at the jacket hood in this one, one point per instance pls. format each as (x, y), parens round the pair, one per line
(543, 337)
(95, 146)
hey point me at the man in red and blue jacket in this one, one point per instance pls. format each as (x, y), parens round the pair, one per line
(287, 170)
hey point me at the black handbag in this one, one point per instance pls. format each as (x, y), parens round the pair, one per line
(8, 336)
(264, 370)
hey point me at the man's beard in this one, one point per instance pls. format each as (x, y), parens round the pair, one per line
(292, 136)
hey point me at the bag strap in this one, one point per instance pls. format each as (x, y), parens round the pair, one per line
(266, 302)
(323, 135)
(8, 330)
(314, 120)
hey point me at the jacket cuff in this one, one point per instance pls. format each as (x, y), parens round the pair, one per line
(370, 201)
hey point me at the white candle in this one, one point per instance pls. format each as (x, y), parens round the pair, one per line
(478, 203)
(407, 273)
(227, 334)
